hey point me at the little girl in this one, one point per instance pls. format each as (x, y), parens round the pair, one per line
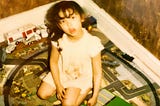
(75, 58)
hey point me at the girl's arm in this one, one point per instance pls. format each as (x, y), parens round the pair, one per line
(54, 57)
(97, 76)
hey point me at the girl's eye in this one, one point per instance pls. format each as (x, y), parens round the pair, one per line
(73, 17)
(62, 21)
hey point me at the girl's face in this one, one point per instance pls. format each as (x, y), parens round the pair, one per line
(71, 23)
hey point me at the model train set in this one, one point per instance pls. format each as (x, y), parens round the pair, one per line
(122, 82)
(129, 79)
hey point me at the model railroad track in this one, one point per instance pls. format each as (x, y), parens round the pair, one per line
(128, 94)
(19, 64)
(44, 64)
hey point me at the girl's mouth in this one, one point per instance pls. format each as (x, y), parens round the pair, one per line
(72, 30)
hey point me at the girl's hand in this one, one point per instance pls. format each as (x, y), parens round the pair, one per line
(60, 92)
(91, 102)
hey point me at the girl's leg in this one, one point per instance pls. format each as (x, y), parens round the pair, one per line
(83, 96)
(45, 90)
(73, 97)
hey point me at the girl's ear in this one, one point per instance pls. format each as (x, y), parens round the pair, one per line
(82, 18)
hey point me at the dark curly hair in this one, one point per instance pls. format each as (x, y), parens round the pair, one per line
(52, 17)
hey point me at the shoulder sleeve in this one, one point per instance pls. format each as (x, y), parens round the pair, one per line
(95, 46)
(58, 44)
(54, 43)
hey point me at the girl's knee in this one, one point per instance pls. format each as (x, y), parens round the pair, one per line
(43, 95)
(45, 91)
(67, 102)
(71, 96)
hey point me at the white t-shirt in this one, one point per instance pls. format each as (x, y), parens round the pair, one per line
(75, 64)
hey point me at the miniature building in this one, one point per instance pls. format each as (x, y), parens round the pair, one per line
(26, 34)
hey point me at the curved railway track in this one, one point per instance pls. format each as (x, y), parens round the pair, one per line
(115, 83)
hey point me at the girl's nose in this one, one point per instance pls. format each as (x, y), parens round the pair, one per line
(69, 23)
